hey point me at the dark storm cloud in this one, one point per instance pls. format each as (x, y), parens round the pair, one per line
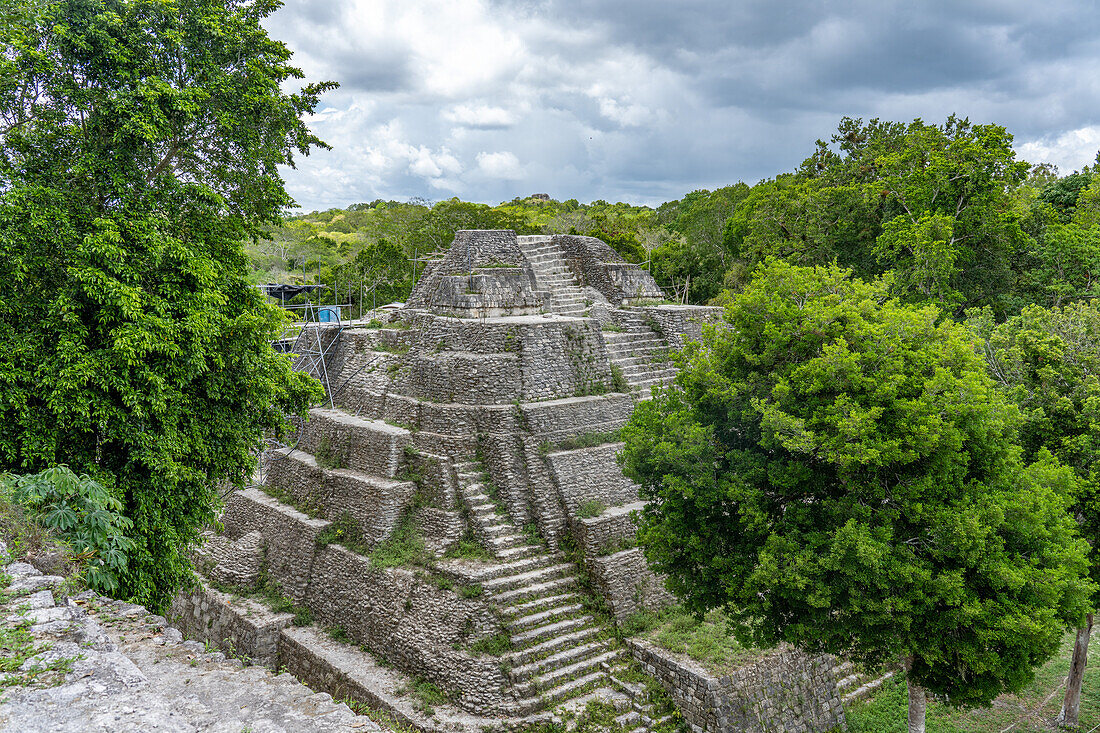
(646, 100)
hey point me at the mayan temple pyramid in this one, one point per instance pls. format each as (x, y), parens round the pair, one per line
(455, 516)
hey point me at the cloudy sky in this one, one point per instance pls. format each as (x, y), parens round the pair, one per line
(642, 101)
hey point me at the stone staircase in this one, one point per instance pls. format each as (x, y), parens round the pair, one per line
(552, 275)
(639, 352)
(491, 523)
(559, 651)
(853, 685)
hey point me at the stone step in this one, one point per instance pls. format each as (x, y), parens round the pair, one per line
(521, 551)
(534, 577)
(630, 342)
(646, 367)
(568, 690)
(536, 590)
(570, 672)
(521, 623)
(864, 690)
(633, 350)
(539, 604)
(541, 633)
(484, 510)
(504, 542)
(849, 682)
(567, 656)
(559, 644)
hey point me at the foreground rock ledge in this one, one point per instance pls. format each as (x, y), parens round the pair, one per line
(129, 671)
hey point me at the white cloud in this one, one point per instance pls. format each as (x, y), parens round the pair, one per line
(481, 115)
(504, 165)
(646, 102)
(1069, 151)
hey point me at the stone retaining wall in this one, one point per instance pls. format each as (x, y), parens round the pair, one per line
(628, 584)
(591, 474)
(785, 690)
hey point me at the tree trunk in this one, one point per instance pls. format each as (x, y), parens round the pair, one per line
(1071, 704)
(918, 701)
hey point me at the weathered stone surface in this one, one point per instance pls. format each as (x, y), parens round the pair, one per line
(124, 678)
(591, 474)
(784, 690)
(628, 584)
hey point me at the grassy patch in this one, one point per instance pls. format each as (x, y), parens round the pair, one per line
(17, 645)
(591, 508)
(1030, 710)
(328, 456)
(384, 719)
(308, 507)
(707, 640)
(618, 379)
(470, 591)
(405, 548)
(495, 645)
(468, 548)
(589, 440)
(612, 327)
(425, 695)
(344, 530)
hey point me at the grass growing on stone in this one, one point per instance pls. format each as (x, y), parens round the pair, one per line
(591, 508)
(309, 508)
(495, 645)
(708, 640)
(344, 530)
(618, 379)
(17, 645)
(328, 456)
(468, 548)
(1030, 711)
(425, 695)
(404, 548)
(590, 440)
(383, 718)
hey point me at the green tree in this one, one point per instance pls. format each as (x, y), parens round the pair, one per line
(837, 471)
(1048, 361)
(931, 202)
(139, 145)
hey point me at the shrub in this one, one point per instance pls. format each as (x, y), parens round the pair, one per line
(83, 515)
(591, 508)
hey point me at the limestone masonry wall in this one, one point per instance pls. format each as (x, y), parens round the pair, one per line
(786, 690)
(374, 504)
(680, 323)
(591, 474)
(628, 584)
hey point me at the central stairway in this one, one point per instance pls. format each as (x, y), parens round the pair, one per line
(552, 275)
(638, 352)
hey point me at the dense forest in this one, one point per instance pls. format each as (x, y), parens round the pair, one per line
(947, 208)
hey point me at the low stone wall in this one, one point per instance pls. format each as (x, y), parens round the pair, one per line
(573, 416)
(239, 626)
(365, 445)
(374, 504)
(785, 690)
(596, 535)
(591, 474)
(628, 584)
(680, 323)
(289, 537)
